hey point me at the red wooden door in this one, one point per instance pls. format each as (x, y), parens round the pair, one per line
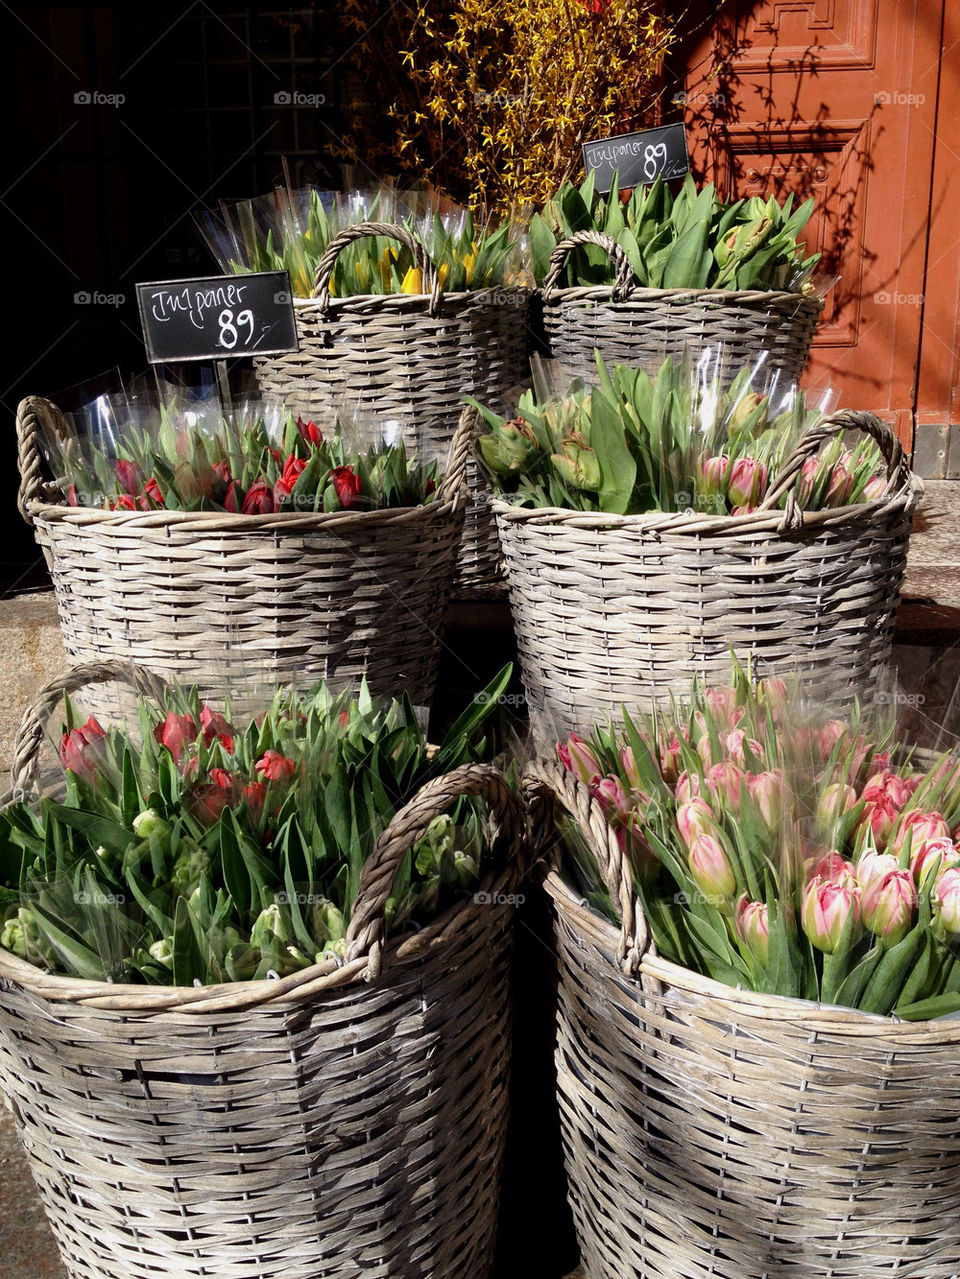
(835, 99)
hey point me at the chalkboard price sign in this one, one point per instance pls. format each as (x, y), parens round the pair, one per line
(638, 158)
(217, 318)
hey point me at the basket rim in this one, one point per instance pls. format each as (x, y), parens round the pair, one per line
(229, 522)
(370, 302)
(740, 297)
(132, 998)
(733, 1000)
(558, 518)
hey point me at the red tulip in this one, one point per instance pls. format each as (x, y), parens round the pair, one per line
(214, 725)
(275, 767)
(346, 484)
(226, 781)
(176, 732)
(309, 431)
(206, 803)
(83, 749)
(128, 476)
(222, 468)
(828, 908)
(123, 503)
(233, 498)
(151, 498)
(292, 470)
(254, 797)
(259, 500)
(72, 496)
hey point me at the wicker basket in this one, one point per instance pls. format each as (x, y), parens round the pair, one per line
(194, 595)
(626, 609)
(416, 355)
(641, 327)
(715, 1132)
(342, 1122)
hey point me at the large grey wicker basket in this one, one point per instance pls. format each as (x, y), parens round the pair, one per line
(198, 596)
(415, 355)
(342, 1122)
(612, 610)
(637, 326)
(710, 1131)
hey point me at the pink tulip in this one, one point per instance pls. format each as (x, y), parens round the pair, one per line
(630, 770)
(753, 927)
(828, 908)
(835, 800)
(577, 757)
(710, 868)
(875, 488)
(723, 703)
(889, 905)
(83, 749)
(831, 868)
(946, 895)
(692, 785)
(728, 779)
(931, 856)
(176, 732)
(887, 783)
(713, 471)
(766, 789)
(613, 798)
(873, 865)
(828, 734)
(694, 818)
(748, 482)
(808, 476)
(772, 691)
(670, 754)
(737, 743)
(879, 817)
(841, 481)
(633, 843)
(920, 827)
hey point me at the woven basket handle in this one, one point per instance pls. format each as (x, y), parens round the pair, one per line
(30, 734)
(363, 230)
(461, 447)
(30, 412)
(623, 281)
(827, 428)
(547, 785)
(367, 929)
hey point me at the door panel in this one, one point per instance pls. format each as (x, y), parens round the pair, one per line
(835, 99)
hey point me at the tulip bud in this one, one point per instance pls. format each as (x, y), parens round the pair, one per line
(728, 779)
(629, 766)
(691, 785)
(753, 927)
(670, 754)
(875, 488)
(713, 472)
(612, 796)
(577, 464)
(710, 867)
(271, 927)
(890, 785)
(841, 483)
(192, 863)
(737, 743)
(744, 411)
(176, 733)
(931, 856)
(832, 868)
(828, 908)
(12, 937)
(920, 827)
(83, 749)
(695, 817)
(162, 952)
(748, 482)
(772, 691)
(879, 816)
(577, 757)
(807, 480)
(766, 790)
(946, 895)
(873, 865)
(145, 823)
(835, 800)
(889, 905)
(509, 448)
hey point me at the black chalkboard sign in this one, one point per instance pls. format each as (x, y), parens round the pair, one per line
(638, 158)
(217, 318)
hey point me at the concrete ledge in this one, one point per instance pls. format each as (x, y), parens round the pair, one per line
(31, 654)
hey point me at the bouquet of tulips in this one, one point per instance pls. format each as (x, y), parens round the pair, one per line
(250, 458)
(676, 441)
(291, 229)
(217, 851)
(690, 241)
(778, 850)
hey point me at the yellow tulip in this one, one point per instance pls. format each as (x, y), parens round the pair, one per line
(411, 281)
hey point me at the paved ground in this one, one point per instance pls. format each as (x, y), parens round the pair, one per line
(928, 655)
